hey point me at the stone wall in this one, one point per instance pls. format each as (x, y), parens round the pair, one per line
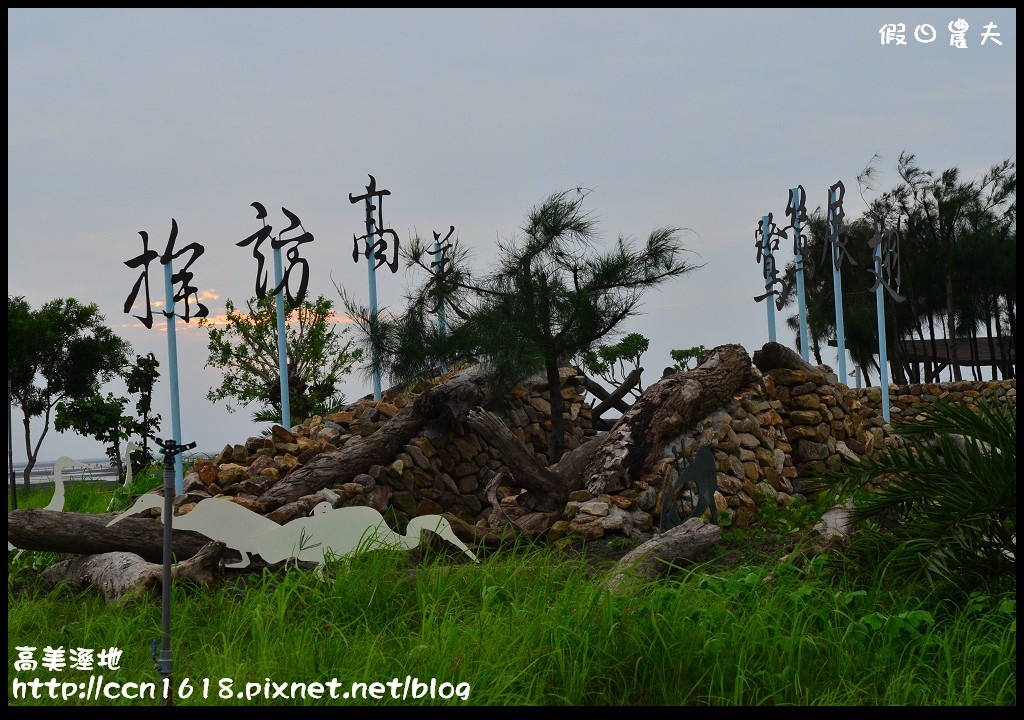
(789, 424)
(430, 476)
(767, 442)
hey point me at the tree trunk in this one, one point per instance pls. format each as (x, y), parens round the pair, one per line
(954, 350)
(682, 545)
(119, 574)
(614, 399)
(557, 445)
(547, 489)
(434, 412)
(664, 411)
(88, 534)
(773, 356)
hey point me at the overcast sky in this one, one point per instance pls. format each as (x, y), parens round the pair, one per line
(120, 120)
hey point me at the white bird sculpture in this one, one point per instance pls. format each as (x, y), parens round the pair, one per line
(129, 448)
(57, 501)
(216, 518)
(334, 533)
(327, 533)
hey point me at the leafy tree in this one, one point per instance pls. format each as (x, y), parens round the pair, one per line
(957, 251)
(683, 358)
(944, 505)
(550, 297)
(141, 379)
(98, 417)
(104, 418)
(60, 353)
(946, 219)
(245, 347)
(609, 361)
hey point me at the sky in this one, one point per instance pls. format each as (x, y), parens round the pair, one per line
(702, 119)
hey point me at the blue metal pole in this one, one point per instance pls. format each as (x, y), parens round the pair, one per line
(804, 342)
(172, 359)
(766, 240)
(837, 285)
(370, 261)
(882, 355)
(440, 308)
(282, 347)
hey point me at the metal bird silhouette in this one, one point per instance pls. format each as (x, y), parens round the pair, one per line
(57, 501)
(217, 519)
(330, 532)
(327, 533)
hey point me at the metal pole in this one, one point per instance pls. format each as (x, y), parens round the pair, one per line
(804, 342)
(883, 365)
(372, 273)
(282, 348)
(766, 240)
(172, 357)
(10, 444)
(165, 663)
(837, 285)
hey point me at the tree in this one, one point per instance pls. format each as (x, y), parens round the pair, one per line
(141, 378)
(959, 241)
(245, 347)
(60, 353)
(104, 418)
(957, 251)
(98, 417)
(551, 296)
(606, 359)
(683, 358)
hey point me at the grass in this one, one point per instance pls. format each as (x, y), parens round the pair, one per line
(767, 619)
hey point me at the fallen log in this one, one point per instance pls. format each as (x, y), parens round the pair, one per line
(682, 545)
(774, 356)
(602, 394)
(435, 411)
(664, 411)
(614, 399)
(124, 574)
(88, 534)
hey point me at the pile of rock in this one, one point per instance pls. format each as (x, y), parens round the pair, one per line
(431, 475)
(772, 437)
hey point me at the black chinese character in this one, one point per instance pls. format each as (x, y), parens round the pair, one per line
(767, 240)
(293, 258)
(182, 276)
(835, 243)
(380, 246)
(887, 272)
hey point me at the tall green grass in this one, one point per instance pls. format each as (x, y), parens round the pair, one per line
(532, 626)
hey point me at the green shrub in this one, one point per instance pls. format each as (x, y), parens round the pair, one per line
(944, 505)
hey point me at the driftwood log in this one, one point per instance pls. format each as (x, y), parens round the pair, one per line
(682, 545)
(120, 574)
(614, 398)
(547, 488)
(773, 356)
(664, 411)
(88, 534)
